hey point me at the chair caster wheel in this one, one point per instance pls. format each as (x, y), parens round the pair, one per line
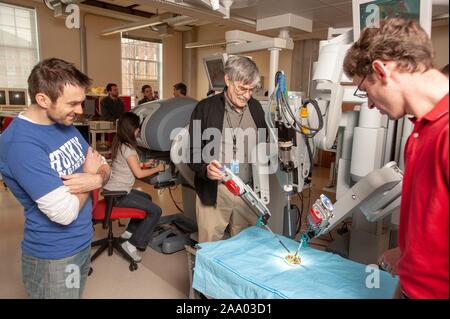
(133, 266)
(90, 271)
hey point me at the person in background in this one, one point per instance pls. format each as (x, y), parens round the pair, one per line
(111, 106)
(230, 112)
(125, 169)
(50, 169)
(392, 66)
(147, 91)
(180, 90)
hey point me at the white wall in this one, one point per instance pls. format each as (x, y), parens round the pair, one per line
(439, 37)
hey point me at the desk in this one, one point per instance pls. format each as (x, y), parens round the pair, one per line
(251, 265)
(102, 133)
(11, 111)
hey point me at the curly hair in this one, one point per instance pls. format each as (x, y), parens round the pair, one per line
(398, 40)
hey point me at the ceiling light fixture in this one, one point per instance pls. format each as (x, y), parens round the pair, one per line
(215, 4)
(156, 20)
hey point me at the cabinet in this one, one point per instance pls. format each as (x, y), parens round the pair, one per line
(93, 133)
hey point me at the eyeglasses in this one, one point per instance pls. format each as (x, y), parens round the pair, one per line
(240, 90)
(359, 92)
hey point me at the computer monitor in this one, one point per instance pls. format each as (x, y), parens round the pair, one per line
(214, 67)
(2, 97)
(89, 108)
(368, 13)
(13, 98)
(17, 97)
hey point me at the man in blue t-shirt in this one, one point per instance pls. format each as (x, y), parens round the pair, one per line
(51, 170)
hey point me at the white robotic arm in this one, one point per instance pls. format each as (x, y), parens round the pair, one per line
(328, 89)
(376, 195)
(332, 87)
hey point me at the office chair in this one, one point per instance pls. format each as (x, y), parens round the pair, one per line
(104, 211)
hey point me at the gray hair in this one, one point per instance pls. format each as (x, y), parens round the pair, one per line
(241, 68)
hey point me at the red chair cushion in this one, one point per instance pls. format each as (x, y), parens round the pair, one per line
(6, 122)
(117, 212)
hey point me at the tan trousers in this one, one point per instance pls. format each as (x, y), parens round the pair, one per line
(212, 221)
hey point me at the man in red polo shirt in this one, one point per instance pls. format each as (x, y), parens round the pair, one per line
(393, 66)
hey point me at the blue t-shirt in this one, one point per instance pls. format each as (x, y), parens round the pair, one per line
(33, 158)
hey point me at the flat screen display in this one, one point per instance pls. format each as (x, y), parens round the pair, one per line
(216, 73)
(89, 107)
(2, 97)
(17, 98)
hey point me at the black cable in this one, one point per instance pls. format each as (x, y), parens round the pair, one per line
(310, 155)
(309, 197)
(319, 115)
(299, 228)
(174, 202)
(301, 128)
(284, 109)
(299, 222)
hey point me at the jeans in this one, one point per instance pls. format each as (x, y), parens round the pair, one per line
(142, 229)
(56, 279)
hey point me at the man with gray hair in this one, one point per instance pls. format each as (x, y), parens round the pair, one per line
(231, 121)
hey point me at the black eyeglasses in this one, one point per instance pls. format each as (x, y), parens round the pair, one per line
(240, 90)
(360, 92)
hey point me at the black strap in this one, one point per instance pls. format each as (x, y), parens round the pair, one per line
(232, 128)
(403, 295)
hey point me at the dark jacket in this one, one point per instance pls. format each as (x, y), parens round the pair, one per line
(111, 109)
(211, 112)
(145, 100)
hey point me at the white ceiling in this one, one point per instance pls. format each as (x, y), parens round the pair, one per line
(244, 13)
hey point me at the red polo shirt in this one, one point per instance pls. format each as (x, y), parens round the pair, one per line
(423, 234)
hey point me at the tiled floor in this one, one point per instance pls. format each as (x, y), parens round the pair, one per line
(158, 276)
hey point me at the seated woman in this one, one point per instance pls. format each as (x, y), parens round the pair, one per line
(125, 168)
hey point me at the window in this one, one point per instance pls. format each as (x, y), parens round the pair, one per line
(18, 45)
(141, 63)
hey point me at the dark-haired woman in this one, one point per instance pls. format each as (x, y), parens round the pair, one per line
(125, 168)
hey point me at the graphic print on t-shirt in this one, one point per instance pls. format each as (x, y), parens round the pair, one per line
(68, 157)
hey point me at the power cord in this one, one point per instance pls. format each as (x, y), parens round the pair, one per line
(173, 200)
(343, 229)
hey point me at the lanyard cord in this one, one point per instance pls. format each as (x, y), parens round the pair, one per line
(232, 128)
